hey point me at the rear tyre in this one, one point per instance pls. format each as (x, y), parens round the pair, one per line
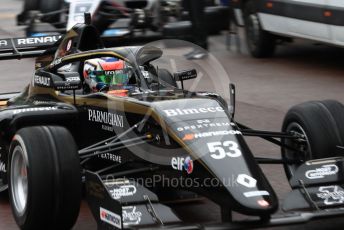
(44, 178)
(31, 5)
(260, 42)
(30, 8)
(317, 124)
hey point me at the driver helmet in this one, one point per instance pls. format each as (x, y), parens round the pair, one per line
(106, 74)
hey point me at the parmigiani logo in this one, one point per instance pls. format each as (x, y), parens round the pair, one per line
(105, 118)
(179, 112)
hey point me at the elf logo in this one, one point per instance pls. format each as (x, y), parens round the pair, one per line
(180, 163)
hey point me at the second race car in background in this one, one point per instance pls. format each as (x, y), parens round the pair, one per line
(118, 19)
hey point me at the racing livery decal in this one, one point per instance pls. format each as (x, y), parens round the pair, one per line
(180, 112)
(256, 193)
(110, 218)
(220, 150)
(107, 118)
(38, 40)
(331, 194)
(123, 191)
(192, 136)
(29, 42)
(203, 124)
(36, 109)
(42, 81)
(131, 216)
(180, 163)
(110, 157)
(72, 79)
(325, 170)
(246, 181)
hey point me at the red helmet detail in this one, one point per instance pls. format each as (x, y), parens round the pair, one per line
(117, 65)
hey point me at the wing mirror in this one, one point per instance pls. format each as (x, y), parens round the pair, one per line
(185, 75)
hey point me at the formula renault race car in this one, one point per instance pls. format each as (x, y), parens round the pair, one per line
(119, 20)
(122, 144)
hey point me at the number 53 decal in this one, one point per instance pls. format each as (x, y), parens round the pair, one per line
(220, 150)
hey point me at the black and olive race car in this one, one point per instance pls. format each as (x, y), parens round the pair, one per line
(59, 140)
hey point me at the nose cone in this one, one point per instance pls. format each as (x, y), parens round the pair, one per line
(243, 181)
(204, 128)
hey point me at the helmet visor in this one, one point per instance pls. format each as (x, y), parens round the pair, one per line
(120, 79)
(111, 77)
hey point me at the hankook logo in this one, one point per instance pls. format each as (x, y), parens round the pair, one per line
(191, 136)
(180, 112)
(319, 173)
(105, 118)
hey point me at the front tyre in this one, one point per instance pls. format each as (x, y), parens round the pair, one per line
(316, 121)
(260, 42)
(44, 178)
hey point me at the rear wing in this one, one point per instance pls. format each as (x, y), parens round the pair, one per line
(28, 47)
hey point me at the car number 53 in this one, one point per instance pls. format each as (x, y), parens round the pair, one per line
(220, 150)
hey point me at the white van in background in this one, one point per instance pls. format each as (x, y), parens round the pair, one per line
(267, 21)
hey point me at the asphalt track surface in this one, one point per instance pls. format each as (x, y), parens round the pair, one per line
(266, 88)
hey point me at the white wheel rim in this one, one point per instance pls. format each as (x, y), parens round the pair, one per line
(19, 181)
